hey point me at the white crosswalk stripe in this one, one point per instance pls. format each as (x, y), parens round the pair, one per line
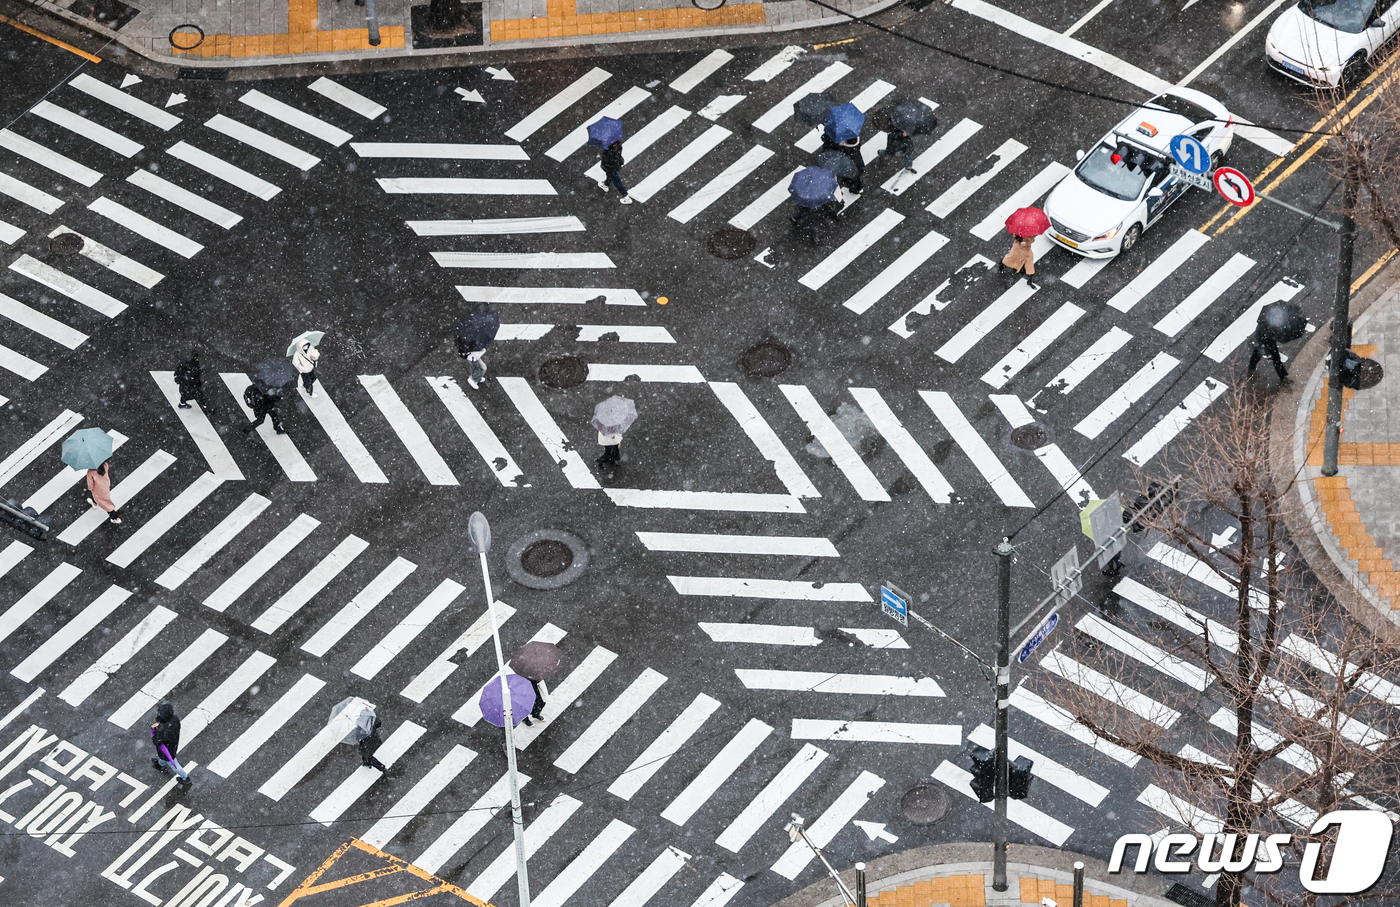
(722, 182)
(648, 135)
(473, 820)
(124, 102)
(896, 272)
(20, 364)
(1090, 360)
(1045, 768)
(583, 867)
(418, 797)
(419, 447)
(465, 645)
(667, 744)
(69, 286)
(496, 226)
(985, 322)
(546, 112)
(1175, 422)
(566, 694)
(126, 648)
(782, 111)
(866, 99)
(146, 228)
(679, 163)
(282, 448)
(842, 454)
(621, 710)
(256, 138)
(494, 877)
(1128, 393)
(20, 458)
(201, 430)
(560, 449)
(575, 140)
(356, 455)
(737, 544)
(876, 731)
(154, 529)
(660, 871)
(1161, 268)
(9, 235)
(1036, 343)
(932, 156)
(362, 779)
(258, 566)
(851, 249)
(758, 587)
(1018, 811)
(320, 576)
(43, 592)
(408, 629)
(221, 169)
(348, 99)
(265, 726)
(1242, 328)
(903, 443)
(67, 636)
(359, 607)
(249, 672)
(769, 800)
(964, 188)
(839, 684)
(158, 687)
(196, 204)
(81, 125)
(45, 156)
(836, 817)
(113, 261)
(765, 204)
(1201, 298)
(214, 541)
(995, 222)
(708, 66)
(440, 151)
(977, 450)
(122, 493)
(716, 772)
(464, 186)
(66, 478)
(297, 119)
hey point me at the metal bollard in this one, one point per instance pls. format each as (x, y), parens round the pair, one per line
(372, 17)
(1078, 884)
(860, 885)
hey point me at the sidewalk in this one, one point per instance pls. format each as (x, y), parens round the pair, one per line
(960, 875)
(237, 33)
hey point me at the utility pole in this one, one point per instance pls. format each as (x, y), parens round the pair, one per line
(1003, 552)
(1341, 312)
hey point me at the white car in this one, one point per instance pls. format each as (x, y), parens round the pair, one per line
(1124, 184)
(1329, 43)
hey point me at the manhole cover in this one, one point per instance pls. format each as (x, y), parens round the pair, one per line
(1029, 437)
(731, 242)
(66, 244)
(766, 359)
(547, 558)
(565, 371)
(924, 804)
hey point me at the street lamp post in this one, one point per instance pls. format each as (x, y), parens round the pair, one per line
(480, 532)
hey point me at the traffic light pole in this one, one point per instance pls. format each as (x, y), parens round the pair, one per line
(1003, 552)
(1341, 316)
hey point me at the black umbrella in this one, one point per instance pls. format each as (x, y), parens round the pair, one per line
(477, 330)
(275, 375)
(1284, 320)
(913, 117)
(811, 110)
(838, 162)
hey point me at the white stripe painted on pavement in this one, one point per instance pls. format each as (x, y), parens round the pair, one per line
(765, 439)
(9, 235)
(1242, 328)
(214, 541)
(876, 731)
(1161, 268)
(679, 163)
(851, 249)
(645, 137)
(256, 138)
(843, 684)
(202, 432)
(769, 800)
(343, 437)
(896, 272)
(440, 151)
(834, 818)
(977, 450)
(934, 155)
(658, 873)
(1110, 689)
(365, 601)
(610, 721)
(754, 587)
(617, 372)
(1208, 292)
(350, 100)
(496, 226)
(320, 576)
(986, 321)
(547, 295)
(701, 71)
(1084, 270)
(1054, 459)
(1036, 342)
(112, 260)
(69, 286)
(80, 125)
(1018, 811)
(1179, 811)
(842, 454)
(964, 188)
(1142, 651)
(419, 797)
(721, 891)
(732, 502)
(419, 447)
(624, 333)
(717, 771)
(45, 156)
(782, 111)
(41, 441)
(146, 228)
(21, 364)
(299, 764)
(124, 102)
(175, 671)
(408, 629)
(715, 189)
(565, 694)
(196, 204)
(776, 64)
(295, 118)
(556, 443)
(464, 646)
(1334, 665)
(469, 712)
(995, 222)
(67, 636)
(1191, 566)
(584, 866)
(452, 185)
(1045, 768)
(358, 783)
(471, 821)
(902, 443)
(556, 105)
(282, 448)
(39, 323)
(12, 554)
(765, 204)
(795, 546)
(154, 529)
(523, 260)
(1087, 362)
(221, 169)
(224, 695)
(1175, 421)
(1058, 718)
(39, 595)
(257, 734)
(868, 97)
(469, 419)
(1169, 609)
(502, 869)
(122, 493)
(575, 140)
(256, 567)
(667, 744)
(1130, 392)
(761, 634)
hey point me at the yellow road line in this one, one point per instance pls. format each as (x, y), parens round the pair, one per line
(1370, 272)
(834, 43)
(54, 41)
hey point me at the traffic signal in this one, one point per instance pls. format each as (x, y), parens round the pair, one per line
(984, 773)
(1019, 786)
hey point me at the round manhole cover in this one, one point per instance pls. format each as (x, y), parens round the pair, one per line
(66, 244)
(731, 242)
(766, 359)
(548, 557)
(1029, 437)
(565, 371)
(924, 804)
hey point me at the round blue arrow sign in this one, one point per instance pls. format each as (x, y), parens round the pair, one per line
(1190, 154)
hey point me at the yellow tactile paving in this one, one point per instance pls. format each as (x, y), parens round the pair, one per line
(1033, 890)
(959, 891)
(301, 37)
(563, 20)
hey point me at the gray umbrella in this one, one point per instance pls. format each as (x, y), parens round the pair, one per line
(353, 718)
(477, 330)
(1285, 320)
(537, 660)
(838, 162)
(275, 374)
(811, 110)
(913, 117)
(614, 415)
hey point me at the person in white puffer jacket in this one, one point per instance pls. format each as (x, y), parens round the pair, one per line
(304, 360)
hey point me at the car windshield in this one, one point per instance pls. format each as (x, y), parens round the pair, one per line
(1344, 15)
(1118, 180)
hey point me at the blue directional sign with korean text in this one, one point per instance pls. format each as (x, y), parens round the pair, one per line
(1038, 636)
(895, 603)
(1190, 154)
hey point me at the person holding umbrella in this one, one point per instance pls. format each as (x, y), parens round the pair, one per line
(271, 379)
(1279, 322)
(474, 334)
(612, 418)
(606, 133)
(536, 661)
(841, 132)
(907, 119)
(91, 449)
(810, 188)
(1024, 224)
(304, 356)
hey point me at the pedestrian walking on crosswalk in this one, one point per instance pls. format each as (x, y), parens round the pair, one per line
(900, 144)
(263, 404)
(474, 334)
(1020, 258)
(99, 485)
(611, 161)
(368, 744)
(189, 377)
(165, 734)
(851, 149)
(304, 359)
(612, 418)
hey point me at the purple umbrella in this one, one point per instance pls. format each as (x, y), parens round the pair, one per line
(522, 700)
(604, 132)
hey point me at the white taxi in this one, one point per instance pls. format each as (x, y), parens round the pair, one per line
(1330, 43)
(1124, 184)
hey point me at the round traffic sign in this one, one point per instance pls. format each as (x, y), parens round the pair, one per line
(1190, 154)
(1234, 186)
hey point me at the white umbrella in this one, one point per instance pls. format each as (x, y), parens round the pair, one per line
(355, 716)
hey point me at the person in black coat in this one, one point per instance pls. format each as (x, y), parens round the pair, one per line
(1266, 344)
(165, 734)
(611, 161)
(263, 404)
(189, 377)
(899, 144)
(851, 149)
(368, 745)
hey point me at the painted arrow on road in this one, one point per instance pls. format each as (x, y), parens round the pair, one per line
(176, 99)
(501, 73)
(470, 95)
(876, 830)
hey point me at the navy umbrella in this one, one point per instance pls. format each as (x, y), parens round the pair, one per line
(811, 110)
(812, 187)
(477, 330)
(604, 132)
(275, 375)
(838, 162)
(844, 122)
(913, 117)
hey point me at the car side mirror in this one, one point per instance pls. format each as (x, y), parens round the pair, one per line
(1079, 155)
(1376, 22)
(1155, 192)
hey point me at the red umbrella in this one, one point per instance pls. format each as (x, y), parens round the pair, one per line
(1027, 222)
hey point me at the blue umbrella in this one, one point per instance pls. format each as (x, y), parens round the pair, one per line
(812, 187)
(87, 449)
(844, 122)
(522, 700)
(604, 132)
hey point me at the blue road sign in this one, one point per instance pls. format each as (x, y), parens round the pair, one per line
(1041, 633)
(1190, 154)
(895, 603)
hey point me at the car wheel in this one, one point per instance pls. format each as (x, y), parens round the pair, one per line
(1217, 158)
(1354, 71)
(1131, 237)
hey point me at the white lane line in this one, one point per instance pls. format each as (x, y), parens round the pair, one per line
(1194, 568)
(12, 554)
(1087, 17)
(851, 249)
(1142, 651)
(584, 866)
(356, 455)
(721, 105)
(765, 439)
(1064, 471)
(124, 102)
(842, 454)
(26, 194)
(1110, 689)
(776, 64)
(67, 636)
(765, 204)
(350, 100)
(902, 443)
(876, 732)
(320, 576)
(665, 374)
(715, 189)
(266, 727)
(1169, 609)
(282, 448)
(966, 276)
(834, 818)
(932, 156)
(523, 260)
(761, 634)
(146, 228)
(300, 763)
(1242, 328)
(41, 594)
(112, 260)
(41, 441)
(1036, 342)
(214, 541)
(705, 542)
(1054, 716)
(224, 695)
(1179, 811)
(717, 771)
(721, 891)
(219, 168)
(624, 333)
(977, 450)
(195, 204)
(1162, 267)
(362, 779)
(471, 821)
(358, 608)
(9, 235)
(609, 722)
(784, 589)
(1230, 42)
(986, 321)
(658, 873)
(502, 869)
(158, 687)
(995, 222)
(647, 136)
(256, 567)
(566, 694)
(80, 125)
(496, 226)
(295, 118)
(679, 163)
(21, 364)
(419, 797)
(964, 188)
(39, 323)
(551, 295)
(464, 646)
(408, 629)
(45, 156)
(769, 800)
(463, 186)
(437, 151)
(1045, 768)
(69, 286)
(1122, 399)
(66, 478)
(1083, 271)
(414, 439)
(1022, 813)
(469, 419)
(154, 529)
(1334, 665)
(576, 139)
(731, 502)
(866, 99)
(122, 493)
(1175, 421)
(782, 111)
(701, 71)
(561, 450)
(667, 744)
(256, 138)
(896, 272)
(840, 684)
(1208, 292)
(1310, 709)
(556, 105)
(1087, 362)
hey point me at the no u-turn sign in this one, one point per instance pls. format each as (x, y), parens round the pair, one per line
(1233, 186)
